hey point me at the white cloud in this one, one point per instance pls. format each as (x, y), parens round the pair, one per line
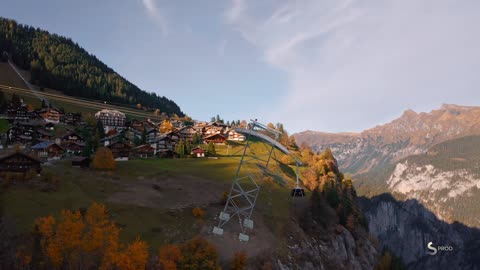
(154, 12)
(351, 64)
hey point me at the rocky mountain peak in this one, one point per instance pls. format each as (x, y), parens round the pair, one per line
(411, 133)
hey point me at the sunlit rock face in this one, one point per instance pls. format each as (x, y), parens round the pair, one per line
(412, 133)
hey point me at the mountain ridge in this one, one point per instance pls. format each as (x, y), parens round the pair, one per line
(411, 133)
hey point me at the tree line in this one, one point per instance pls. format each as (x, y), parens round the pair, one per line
(59, 63)
(90, 239)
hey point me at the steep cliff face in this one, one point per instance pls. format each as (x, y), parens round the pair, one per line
(406, 228)
(447, 193)
(330, 232)
(446, 180)
(332, 249)
(429, 163)
(412, 133)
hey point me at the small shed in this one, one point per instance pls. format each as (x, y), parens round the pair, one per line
(198, 152)
(82, 162)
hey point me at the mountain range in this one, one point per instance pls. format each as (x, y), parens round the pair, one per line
(419, 176)
(412, 133)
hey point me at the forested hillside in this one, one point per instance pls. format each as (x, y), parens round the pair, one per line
(59, 63)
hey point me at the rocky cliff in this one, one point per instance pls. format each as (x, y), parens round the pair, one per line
(406, 228)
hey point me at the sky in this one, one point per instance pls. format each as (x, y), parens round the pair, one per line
(325, 65)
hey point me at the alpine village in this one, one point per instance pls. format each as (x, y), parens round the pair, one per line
(96, 173)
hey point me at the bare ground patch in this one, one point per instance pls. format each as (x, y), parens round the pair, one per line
(169, 192)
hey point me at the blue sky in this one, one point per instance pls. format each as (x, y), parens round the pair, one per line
(327, 65)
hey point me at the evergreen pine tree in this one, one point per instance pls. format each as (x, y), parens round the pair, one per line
(100, 130)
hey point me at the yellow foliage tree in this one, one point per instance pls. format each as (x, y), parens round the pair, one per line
(88, 240)
(239, 261)
(169, 257)
(197, 253)
(103, 159)
(166, 126)
(198, 213)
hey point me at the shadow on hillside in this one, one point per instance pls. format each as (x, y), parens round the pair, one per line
(406, 228)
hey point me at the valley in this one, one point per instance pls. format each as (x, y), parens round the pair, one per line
(419, 181)
(97, 173)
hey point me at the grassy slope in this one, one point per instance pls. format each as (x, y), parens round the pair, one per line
(10, 78)
(79, 188)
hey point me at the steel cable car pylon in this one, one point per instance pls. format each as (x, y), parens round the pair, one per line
(244, 191)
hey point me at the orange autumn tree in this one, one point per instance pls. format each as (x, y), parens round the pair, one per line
(239, 261)
(198, 213)
(197, 253)
(170, 257)
(104, 159)
(88, 240)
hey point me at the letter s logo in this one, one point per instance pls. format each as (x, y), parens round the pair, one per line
(433, 249)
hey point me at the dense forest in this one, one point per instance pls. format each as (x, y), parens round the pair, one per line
(59, 63)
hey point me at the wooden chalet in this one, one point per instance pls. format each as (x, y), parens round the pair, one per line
(82, 162)
(50, 115)
(20, 114)
(215, 138)
(166, 153)
(131, 134)
(111, 139)
(142, 151)
(43, 135)
(163, 143)
(74, 148)
(149, 124)
(173, 135)
(21, 135)
(48, 150)
(198, 152)
(120, 150)
(186, 133)
(232, 135)
(72, 119)
(199, 127)
(214, 128)
(19, 163)
(71, 137)
(137, 125)
(152, 134)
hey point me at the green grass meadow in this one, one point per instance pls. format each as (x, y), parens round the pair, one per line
(78, 188)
